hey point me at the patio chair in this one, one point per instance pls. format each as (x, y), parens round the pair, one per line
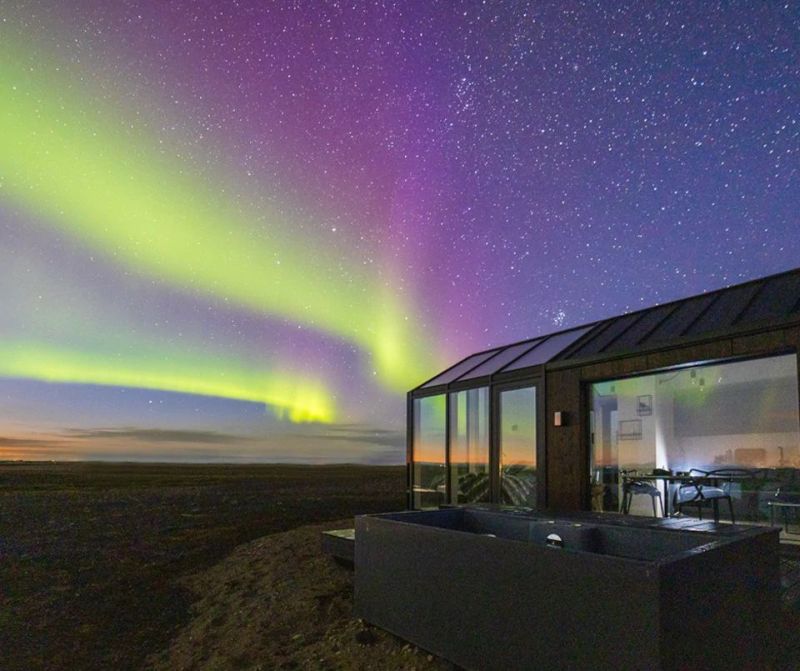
(697, 492)
(632, 487)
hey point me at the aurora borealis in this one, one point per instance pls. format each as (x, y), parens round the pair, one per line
(242, 230)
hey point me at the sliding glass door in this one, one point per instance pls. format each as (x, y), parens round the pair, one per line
(469, 446)
(517, 442)
(429, 483)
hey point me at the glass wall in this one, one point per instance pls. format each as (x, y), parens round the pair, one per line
(518, 446)
(428, 473)
(469, 446)
(740, 415)
(467, 470)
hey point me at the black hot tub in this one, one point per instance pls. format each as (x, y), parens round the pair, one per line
(498, 590)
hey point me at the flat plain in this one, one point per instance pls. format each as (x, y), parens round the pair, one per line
(170, 567)
(94, 557)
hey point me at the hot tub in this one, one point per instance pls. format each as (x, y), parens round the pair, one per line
(498, 590)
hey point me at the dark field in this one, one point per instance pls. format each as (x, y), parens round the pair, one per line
(91, 554)
(98, 563)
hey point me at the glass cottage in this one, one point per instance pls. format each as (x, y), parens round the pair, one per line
(560, 421)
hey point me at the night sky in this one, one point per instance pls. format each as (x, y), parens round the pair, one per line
(242, 230)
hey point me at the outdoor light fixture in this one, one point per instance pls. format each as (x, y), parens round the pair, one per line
(554, 541)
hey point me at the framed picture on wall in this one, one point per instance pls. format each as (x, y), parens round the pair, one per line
(644, 405)
(630, 429)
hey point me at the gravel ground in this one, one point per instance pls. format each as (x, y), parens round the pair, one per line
(279, 603)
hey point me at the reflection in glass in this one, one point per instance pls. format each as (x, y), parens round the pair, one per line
(548, 348)
(469, 445)
(733, 415)
(428, 473)
(460, 368)
(501, 359)
(518, 446)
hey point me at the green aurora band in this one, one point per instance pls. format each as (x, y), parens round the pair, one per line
(110, 185)
(289, 397)
(63, 333)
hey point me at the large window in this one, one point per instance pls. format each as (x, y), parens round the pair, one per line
(429, 481)
(740, 414)
(469, 445)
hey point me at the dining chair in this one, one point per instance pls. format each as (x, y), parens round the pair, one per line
(632, 487)
(698, 491)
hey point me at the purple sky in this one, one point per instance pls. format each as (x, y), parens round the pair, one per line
(454, 174)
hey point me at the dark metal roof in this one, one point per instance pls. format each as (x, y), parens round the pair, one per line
(764, 303)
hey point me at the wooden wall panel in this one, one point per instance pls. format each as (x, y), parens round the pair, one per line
(759, 343)
(791, 337)
(719, 349)
(566, 456)
(614, 368)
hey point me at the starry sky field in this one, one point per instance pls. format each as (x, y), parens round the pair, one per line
(241, 230)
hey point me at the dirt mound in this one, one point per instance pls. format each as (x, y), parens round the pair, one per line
(279, 603)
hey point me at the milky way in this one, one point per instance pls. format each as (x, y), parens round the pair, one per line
(209, 209)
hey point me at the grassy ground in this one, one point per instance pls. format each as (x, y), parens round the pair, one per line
(91, 554)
